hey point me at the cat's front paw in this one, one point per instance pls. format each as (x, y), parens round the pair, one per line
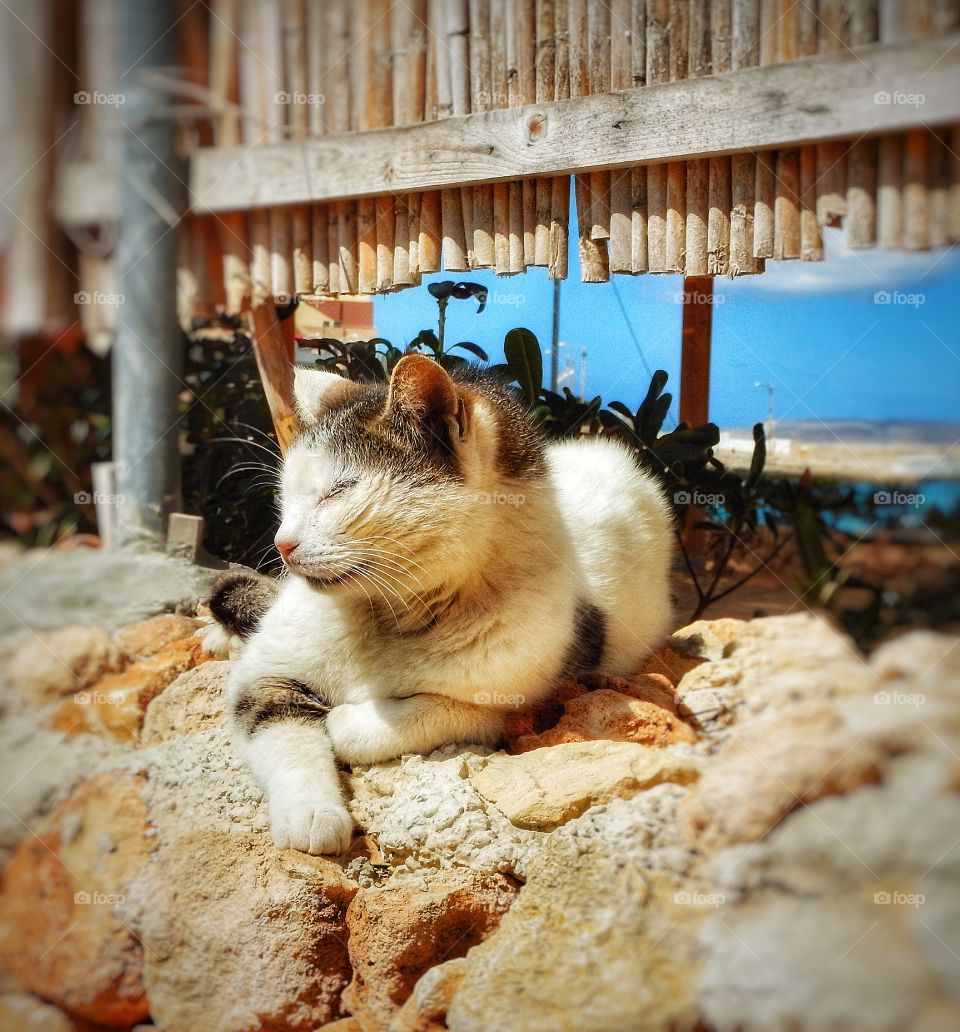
(315, 828)
(359, 734)
(215, 640)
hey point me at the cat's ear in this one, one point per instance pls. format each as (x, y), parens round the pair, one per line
(421, 388)
(317, 392)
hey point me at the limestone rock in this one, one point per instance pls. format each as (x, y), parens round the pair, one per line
(592, 942)
(547, 787)
(614, 716)
(195, 701)
(143, 639)
(20, 1012)
(426, 1009)
(63, 931)
(771, 766)
(239, 935)
(426, 812)
(115, 704)
(399, 929)
(53, 664)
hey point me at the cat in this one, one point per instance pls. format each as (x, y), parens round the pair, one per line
(444, 564)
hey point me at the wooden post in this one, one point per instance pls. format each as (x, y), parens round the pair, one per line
(695, 353)
(272, 352)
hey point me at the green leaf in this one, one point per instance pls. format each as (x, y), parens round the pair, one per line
(759, 456)
(522, 351)
(474, 349)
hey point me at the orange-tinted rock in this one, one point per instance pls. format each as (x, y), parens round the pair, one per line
(62, 925)
(194, 702)
(20, 1012)
(770, 768)
(539, 718)
(426, 1009)
(116, 704)
(239, 935)
(612, 716)
(671, 662)
(401, 929)
(143, 639)
(53, 664)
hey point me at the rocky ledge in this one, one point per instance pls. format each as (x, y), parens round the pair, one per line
(759, 831)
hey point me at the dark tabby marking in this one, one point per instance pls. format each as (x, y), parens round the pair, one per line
(589, 638)
(277, 698)
(366, 432)
(240, 599)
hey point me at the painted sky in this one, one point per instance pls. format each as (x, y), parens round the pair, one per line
(862, 335)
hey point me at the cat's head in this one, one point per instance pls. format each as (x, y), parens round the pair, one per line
(392, 488)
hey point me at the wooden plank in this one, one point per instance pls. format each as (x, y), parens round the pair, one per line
(809, 100)
(276, 372)
(695, 350)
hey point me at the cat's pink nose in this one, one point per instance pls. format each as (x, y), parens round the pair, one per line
(285, 547)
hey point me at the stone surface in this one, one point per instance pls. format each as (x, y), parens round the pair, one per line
(48, 666)
(46, 590)
(614, 716)
(426, 1009)
(115, 704)
(146, 637)
(20, 1012)
(547, 787)
(63, 931)
(238, 935)
(193, 702)
(400, 929)
(802, 753)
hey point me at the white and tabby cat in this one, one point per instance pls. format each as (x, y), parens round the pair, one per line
(443, 562)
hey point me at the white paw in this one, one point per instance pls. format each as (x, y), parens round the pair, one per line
(215, 640)
(299, 823)
(359, 734)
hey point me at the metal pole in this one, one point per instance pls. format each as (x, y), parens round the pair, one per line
(148, 351)
(555, 350)
(695, 350)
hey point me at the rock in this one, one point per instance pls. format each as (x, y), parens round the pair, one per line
(398, 930)
(21, 1012)
(49, 666)
(63, 931)
(195, 701)
(343, 1025)
(426, 813)
(547, 787)
(115, 704)
(801, 965)
(426, 1009)
(139, 640)
(613, 716)
(109, 589)
(771, 766)
(592, 942)
(672, 660)
(238, 935)
(763, 664)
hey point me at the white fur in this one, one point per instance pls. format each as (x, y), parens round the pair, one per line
(503, 563)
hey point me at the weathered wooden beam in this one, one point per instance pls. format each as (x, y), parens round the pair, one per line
(827, 96)
(695, 350)
(274, 361)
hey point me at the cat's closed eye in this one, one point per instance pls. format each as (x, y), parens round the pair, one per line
(338, 488)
